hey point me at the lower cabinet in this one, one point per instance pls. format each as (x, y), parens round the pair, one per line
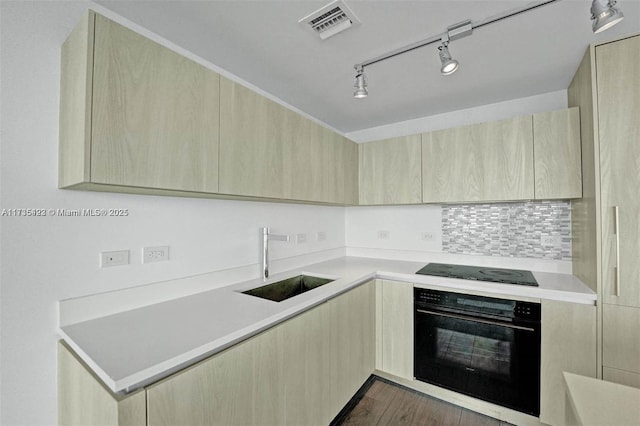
(395, 328)
(301, 372)
(621, 344)
(83, 400)
(568, 343)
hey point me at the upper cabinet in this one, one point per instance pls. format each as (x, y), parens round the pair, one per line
(135, 114)
(523, 158)
(269, 151)
(483, 162)
(558, 168)
(138, 117)
(254, 132)
(390, 171)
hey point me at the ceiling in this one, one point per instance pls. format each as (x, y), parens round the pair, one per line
(261, 42)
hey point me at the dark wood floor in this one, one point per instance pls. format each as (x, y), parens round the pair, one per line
(389, 404)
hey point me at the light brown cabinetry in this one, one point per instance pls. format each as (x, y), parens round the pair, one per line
(269, 151)
(390, 171)
(137, 117)
(395, 328)
(605, 225)
(134, 114)
(523, 158)
(302, 371)
(557, 162)
(568, 343)
(352, 358)
(83, 400)
(483, 162)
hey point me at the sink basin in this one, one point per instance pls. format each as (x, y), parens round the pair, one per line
(285, 289)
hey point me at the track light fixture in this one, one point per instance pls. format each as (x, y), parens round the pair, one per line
(604, 15)
(360, 84)
(449, 65)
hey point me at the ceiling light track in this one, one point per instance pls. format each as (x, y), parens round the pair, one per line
(603, 13)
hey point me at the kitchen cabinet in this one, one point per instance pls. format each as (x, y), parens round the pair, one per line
(134, 115)
(621, 344)
(490, 161)
(557, 156)
(137, 117)
(269, 151)
(83, 400)
(605, 224)
(395, 333)
(390, 171)
(568, 344)
(223, 389)
(302, 371)
(254, 132)
(352, 318)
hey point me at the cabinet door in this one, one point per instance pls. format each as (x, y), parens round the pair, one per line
(557, 162)
(352, 317)
(351, 170)
(83, 400)
(155, 115)
(568, 343)
(621, 338)
(240, 386)
(306, 367)
(390, 171)
(618, 88)
(254, 132)
(483, 162)
(396, 335)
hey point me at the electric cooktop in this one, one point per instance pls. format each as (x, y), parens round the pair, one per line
(480, 273)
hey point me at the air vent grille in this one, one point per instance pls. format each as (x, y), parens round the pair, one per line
(330, 20)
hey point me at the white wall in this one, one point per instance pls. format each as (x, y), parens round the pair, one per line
(46, 259)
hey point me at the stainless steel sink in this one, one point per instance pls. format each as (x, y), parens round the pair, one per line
(285, 289)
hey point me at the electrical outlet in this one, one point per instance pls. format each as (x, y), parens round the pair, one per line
(427, 236)
(155, 254)
(321, 236)
(114, 258)
(301, 238)
(550, 240)
(383, 235)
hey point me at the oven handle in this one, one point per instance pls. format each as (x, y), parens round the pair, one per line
(481, 320)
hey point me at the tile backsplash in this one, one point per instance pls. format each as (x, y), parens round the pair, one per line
(508, 229)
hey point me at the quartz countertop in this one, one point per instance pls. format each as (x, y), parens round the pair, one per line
(136, 347)
(598, 402)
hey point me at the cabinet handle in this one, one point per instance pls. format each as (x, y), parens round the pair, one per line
(616, 215)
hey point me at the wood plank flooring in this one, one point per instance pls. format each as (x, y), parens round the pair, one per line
(386, 403)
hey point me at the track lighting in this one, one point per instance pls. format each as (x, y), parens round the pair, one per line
(360, 84)
(604, 15)
(449, 65)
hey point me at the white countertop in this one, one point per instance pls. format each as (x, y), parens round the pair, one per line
(598, 402)
(136, 347)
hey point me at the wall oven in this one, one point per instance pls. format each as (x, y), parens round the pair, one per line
(483, 347)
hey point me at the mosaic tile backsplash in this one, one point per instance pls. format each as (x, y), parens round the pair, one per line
(508, 230)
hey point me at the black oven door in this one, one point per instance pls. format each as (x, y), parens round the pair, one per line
(483, 358)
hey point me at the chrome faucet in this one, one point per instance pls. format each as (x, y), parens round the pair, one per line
(264, 237)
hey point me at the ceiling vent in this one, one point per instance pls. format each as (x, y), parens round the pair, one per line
(330, 20)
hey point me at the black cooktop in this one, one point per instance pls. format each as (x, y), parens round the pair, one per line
(480, 273)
